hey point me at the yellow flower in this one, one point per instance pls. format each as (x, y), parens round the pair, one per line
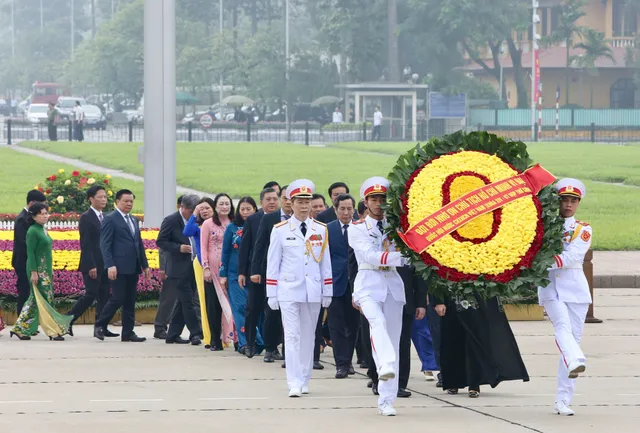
(60, 199)
(108, 176)
(109, 193)
(61, 171)
(518, 223)
(91, 181)
(67, 182)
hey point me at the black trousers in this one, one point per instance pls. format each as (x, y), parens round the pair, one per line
(319, 341)
(24, 289)
(184, 312)
(405, 350)
(53, 132)
(166, 305)
(94, 290)
(214, 313)
(254, 310)
(344, 321)
(123, 294)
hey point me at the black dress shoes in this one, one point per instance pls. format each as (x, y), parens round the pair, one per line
(133, 338)
(160, 335)
(196, 341)
(369, 383)
(215, 348)
(439, 382)
(351, 371)
(364, 365)
(374, 389)
(98, 333)
(403, 393)
(176, 340)
(268, 357)
(70, 332)
(317, 365)
(109, 334)
(342, 373)
(250, 351)
(277, 355)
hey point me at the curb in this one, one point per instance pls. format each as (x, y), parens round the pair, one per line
(616, 281)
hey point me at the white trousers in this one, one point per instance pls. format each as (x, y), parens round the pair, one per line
(299, 322)
(385, 322)
(568, 322)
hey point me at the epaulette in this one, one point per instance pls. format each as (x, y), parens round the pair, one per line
(280, 224)
(319, 222)
(582, 223)
(358, 222)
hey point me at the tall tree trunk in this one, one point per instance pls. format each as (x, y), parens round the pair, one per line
(393, 61)
(254, 17)
(518, 75)
(93, 19)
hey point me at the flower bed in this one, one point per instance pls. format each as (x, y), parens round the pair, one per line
(67, 281)
(475, 217)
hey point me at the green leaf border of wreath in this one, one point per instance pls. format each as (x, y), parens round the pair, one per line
(521, 290)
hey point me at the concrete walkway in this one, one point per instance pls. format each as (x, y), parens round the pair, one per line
(97, 168)
(612, 269)
(83, 385)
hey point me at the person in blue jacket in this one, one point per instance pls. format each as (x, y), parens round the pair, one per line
(229, 271)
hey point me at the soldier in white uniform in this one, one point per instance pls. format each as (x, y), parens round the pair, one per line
(378, 289)
(299, 282)
(566, 299)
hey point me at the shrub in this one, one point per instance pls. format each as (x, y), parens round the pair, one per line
(67, 192)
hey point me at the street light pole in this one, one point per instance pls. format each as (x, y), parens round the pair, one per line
(13, 30)
(221, 19)
(286, 68)
(73, 28)
(41, 17)
(534, 46)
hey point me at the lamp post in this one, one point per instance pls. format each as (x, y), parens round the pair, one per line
(535, 19)
(286, 68)
(41, 17)
(13, 30)
(501, 72)
(221, 19)
(73, 28)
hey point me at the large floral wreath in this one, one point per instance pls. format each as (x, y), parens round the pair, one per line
(504, 252)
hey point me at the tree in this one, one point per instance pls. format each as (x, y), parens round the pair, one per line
(567, 31)
(595, 46)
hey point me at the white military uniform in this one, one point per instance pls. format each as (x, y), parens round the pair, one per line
(379, 292)
(566, 299)
(299, 279)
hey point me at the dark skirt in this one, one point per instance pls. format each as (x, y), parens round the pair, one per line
(478, 347)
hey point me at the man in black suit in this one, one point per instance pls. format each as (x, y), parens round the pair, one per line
(336, 189)
(124, 259)
(180, 274)
(343, 318)
(94, 275)
(272, 327)
(416, 294)
(256, 293)
(168, 295)
(19, 255)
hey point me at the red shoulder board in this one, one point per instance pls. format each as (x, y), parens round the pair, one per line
(357, 222)
(582, 223)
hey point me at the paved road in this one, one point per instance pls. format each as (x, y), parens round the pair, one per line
(84, 385)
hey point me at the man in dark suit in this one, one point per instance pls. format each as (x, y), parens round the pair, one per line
(19, 255)
(180, 274)
(124, 259)
(336, 189)
(256, 294)
(415, 307)
(343, 318)
(272, 327)
(168, 295)
(94, 275)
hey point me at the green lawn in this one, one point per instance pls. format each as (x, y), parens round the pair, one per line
(242, 169)
(19, 173)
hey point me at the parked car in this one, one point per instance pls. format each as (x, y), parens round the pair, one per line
(93, 117)
(38, 113)
(66, 104)
(305, 112)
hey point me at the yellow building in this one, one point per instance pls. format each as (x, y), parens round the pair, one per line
(610, 85)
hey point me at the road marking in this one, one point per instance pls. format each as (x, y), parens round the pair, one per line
(127, 400)
(232, 398)
(333, 397)
(25, 401)
(540, 395)
(629, 395)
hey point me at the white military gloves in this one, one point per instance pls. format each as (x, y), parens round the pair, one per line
(273, 303)
(326, 301)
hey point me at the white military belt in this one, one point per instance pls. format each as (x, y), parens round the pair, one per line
(573, 266)
(368, 267)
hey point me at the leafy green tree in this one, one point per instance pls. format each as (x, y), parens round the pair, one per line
(594, 46)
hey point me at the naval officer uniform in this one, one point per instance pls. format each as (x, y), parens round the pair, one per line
(566, 299)
(299, 283)
(379, 293)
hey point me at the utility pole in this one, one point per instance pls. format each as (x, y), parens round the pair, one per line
(286, 69)
(93, 19)
(13, 30)
(41, 18)
(73, 28)
(221, 19)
